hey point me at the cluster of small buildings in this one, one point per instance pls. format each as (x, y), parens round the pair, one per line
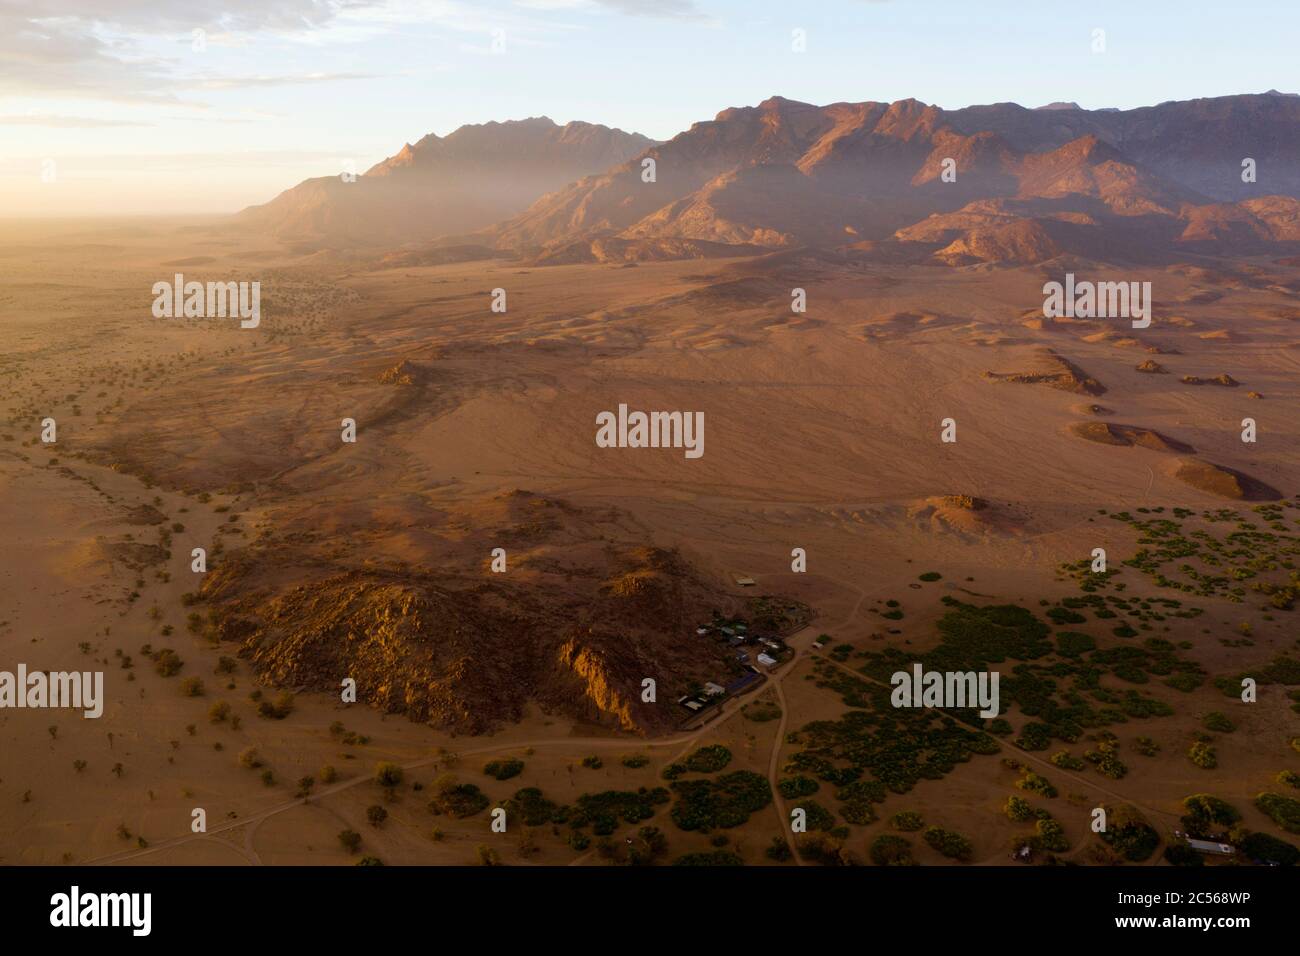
(749, 649)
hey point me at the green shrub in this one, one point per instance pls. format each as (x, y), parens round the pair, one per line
(456, 800)
(167, 663)
(603, 811)
(1284, 811)
(1106, 762)
(504, 769)
(890, 850)
(1180, 854)
(950, 843)
(1264, 848)
(1034, 783)
(1049, 835)
(792, 788)
(1073, 643)
(708, 759)
(726, 801)
(1203, 755)
(529, 806)
(1018, 809)
(778, 850)
(1208, 817)
(1066, 761)
(1218, 722)
(1129, 833)
(908, 821)
(817, 817)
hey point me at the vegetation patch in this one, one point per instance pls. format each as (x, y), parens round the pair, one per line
(1282, 810)
(725, 801)
(504, 769)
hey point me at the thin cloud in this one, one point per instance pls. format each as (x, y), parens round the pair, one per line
(65, 122)
(139, 51)
(659, 9)
(248, 82)
(93, 164)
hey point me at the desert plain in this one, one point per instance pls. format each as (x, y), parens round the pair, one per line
(475, 431)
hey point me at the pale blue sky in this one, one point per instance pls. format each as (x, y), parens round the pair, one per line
(137, 121)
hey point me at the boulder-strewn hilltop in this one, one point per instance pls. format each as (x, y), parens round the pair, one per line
(574, 628)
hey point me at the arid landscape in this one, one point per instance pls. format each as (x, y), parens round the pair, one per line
(904, 460)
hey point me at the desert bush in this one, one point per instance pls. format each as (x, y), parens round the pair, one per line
(1203, 755)
(708, 759)
(950, 843)
(1034, 783)
(1208, 817)
(778, 850)
(458, 800)
(890, 850)
(1049, 835)
(907, 820)
(1129, 833)
(504, 769)
(1218, 722)
(794, 787)
(280, 709)
(1282, 810)
(1269, 849)
(726, 801)
(167, 663)
(1066, 761)
(1018, 809)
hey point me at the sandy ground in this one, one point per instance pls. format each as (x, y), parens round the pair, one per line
(822, 433)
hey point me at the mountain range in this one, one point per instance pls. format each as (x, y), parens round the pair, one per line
(439, 185)
(905, 180)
